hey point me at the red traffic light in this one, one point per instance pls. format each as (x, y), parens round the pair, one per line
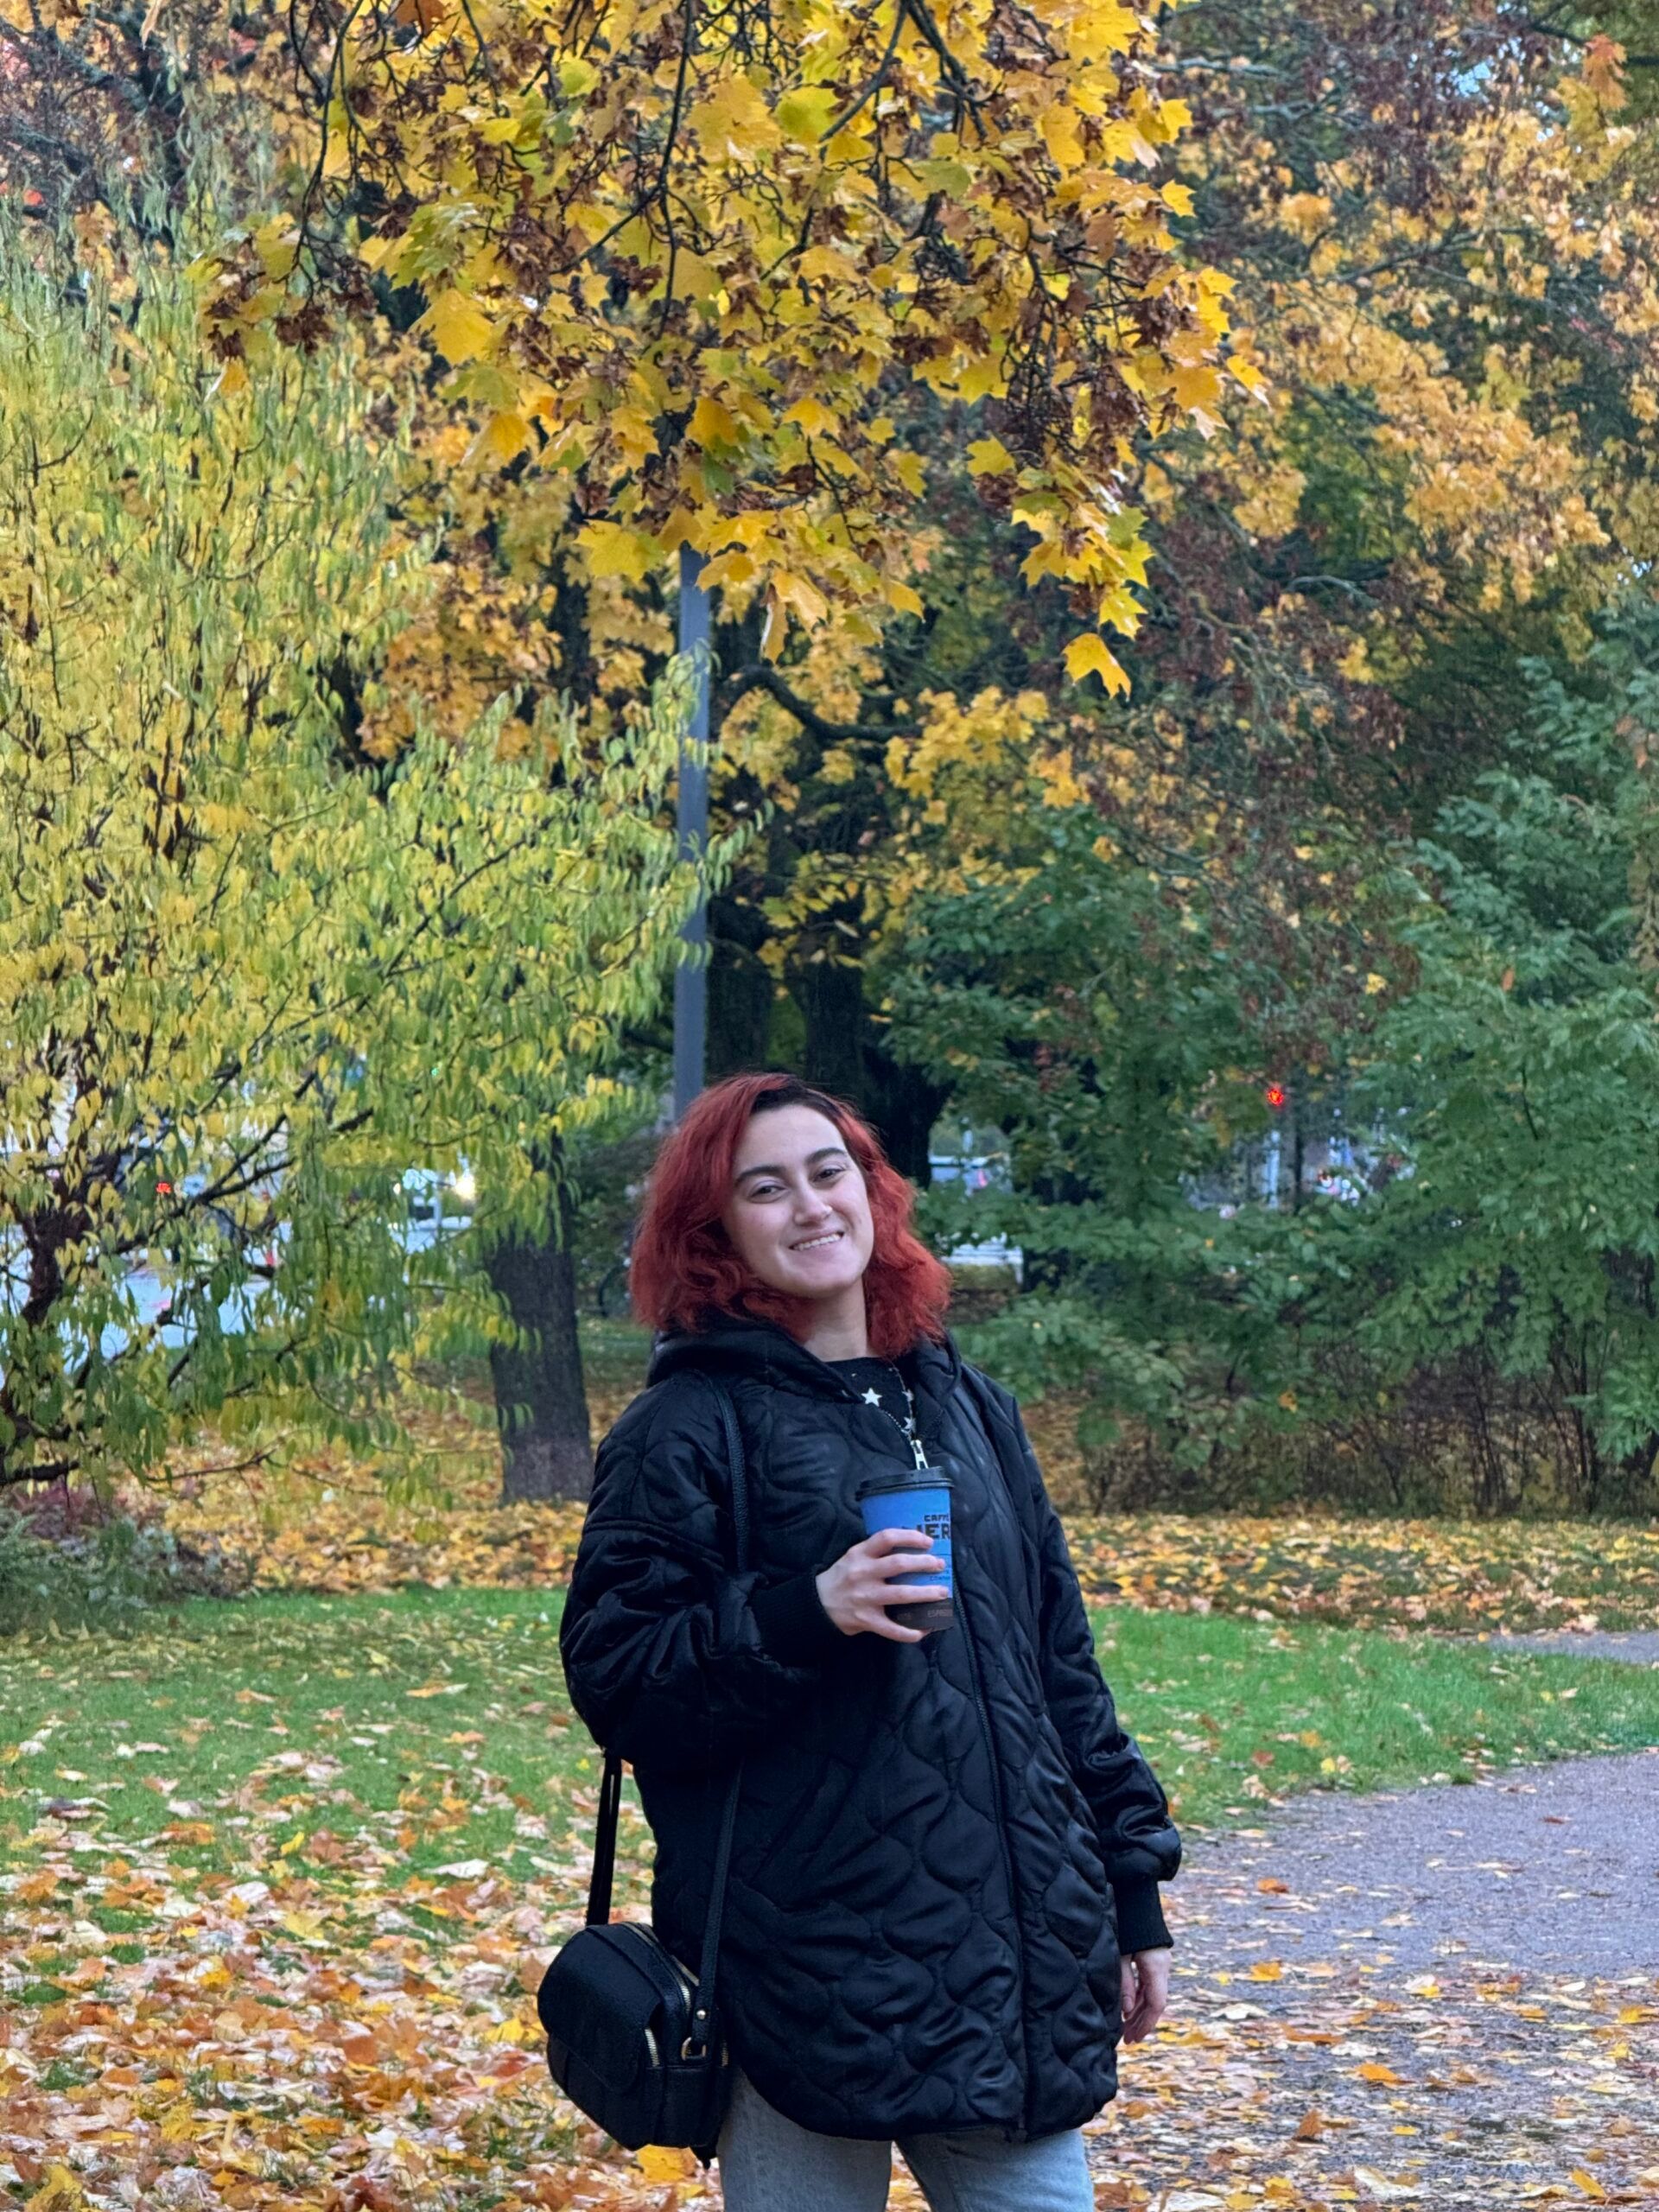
(1275, 1094)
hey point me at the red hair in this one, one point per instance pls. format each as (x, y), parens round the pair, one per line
(683, 1272)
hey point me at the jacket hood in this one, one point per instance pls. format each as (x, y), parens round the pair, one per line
(731, 1346)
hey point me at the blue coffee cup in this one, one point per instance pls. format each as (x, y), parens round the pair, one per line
(919, 1499)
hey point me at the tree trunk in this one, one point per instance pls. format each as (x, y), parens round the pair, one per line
(540, 1403)
(904, 1104)
(740, 990)
(830, 994)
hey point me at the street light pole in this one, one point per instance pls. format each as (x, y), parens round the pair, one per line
(691, 976)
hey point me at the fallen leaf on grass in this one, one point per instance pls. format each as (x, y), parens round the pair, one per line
(61, 2192)
(659, 2162)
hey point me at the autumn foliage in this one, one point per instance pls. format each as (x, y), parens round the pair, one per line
(707, 264)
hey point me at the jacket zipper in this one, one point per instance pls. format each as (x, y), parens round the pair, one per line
(1002, 1841)
(919, 1447)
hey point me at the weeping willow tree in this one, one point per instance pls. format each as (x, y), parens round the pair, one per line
(254, 968)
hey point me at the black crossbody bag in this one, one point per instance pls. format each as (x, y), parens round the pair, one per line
(631, 2039)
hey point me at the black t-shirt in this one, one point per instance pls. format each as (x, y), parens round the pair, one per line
(879, 1383)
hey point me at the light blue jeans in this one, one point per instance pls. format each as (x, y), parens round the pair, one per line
(769, 2164)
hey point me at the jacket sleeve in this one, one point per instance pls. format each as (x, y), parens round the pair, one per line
(1138, 1840)
(670, 1657)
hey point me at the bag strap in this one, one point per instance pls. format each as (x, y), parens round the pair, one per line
(610, 1809)
(610, 1788)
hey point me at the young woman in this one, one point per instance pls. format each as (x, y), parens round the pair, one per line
(942, 1911)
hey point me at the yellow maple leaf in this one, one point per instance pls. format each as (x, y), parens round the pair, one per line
(613, 550)
(807, 114)
(694, 277)
(503, 438)
(813, 416)
(734, 119)
(1090, 655)
(823, 261)
(712, 424)
(1105, 28)
(800, 595)
(989, 457)
(1062, 136)
(658, 2163)
(1195, 386)
(458, 326)
(59, 2192)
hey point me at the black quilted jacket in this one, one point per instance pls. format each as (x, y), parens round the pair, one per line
(940, 1846)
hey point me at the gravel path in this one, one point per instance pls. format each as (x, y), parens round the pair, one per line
(1443, 1998)
(1554, 1866)
(1637, 1647)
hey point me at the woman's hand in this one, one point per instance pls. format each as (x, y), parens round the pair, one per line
(1146, 1992)
(857, 1590)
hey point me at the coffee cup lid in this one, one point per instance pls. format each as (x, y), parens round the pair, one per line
(912, 1479)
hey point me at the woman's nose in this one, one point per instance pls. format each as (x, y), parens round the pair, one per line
(811, 1205)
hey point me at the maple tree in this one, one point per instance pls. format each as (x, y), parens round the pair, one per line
(250, 977)
(698, 261)
(1452, 471)
(699, 277)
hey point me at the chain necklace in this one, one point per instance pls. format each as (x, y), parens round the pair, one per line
(906, 1427)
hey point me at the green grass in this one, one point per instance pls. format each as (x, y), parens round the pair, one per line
(432, 1722)
(433, 1725)
(1231, 1712)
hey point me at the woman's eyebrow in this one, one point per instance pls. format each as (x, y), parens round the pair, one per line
(823, 1152)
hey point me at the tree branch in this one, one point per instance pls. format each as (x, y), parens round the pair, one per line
(762, 677)
(1542, 30)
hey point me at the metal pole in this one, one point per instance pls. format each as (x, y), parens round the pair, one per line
(691, 976)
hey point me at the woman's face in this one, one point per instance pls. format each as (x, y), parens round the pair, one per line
(799, 1214)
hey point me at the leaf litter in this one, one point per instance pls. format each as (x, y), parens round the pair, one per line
(325, 1522)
